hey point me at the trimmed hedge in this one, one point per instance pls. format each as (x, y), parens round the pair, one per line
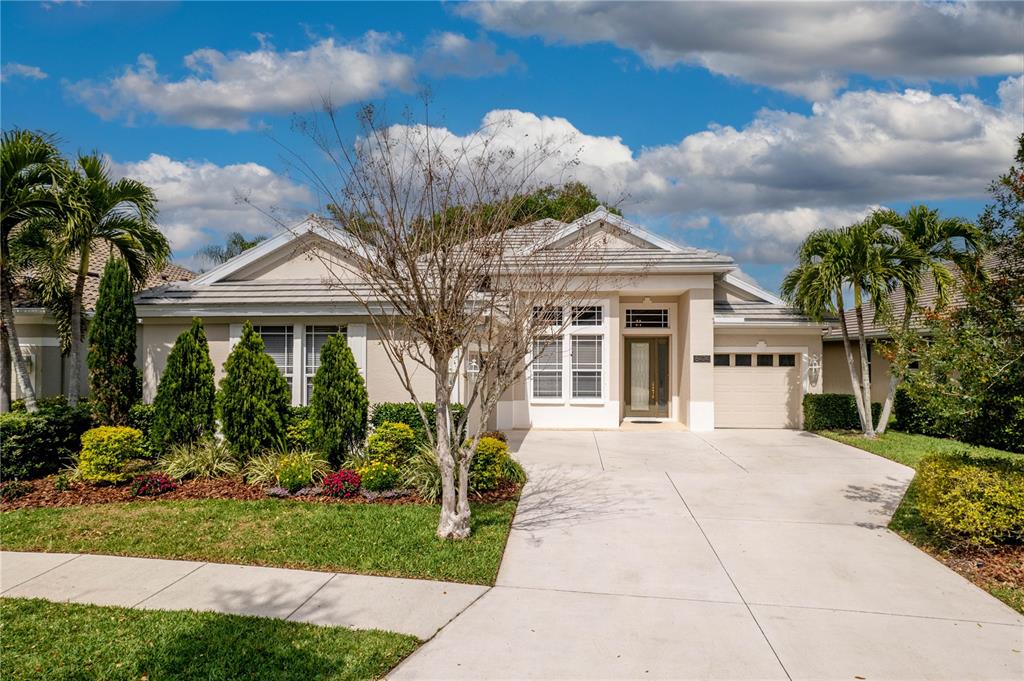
(832, 411)
(974, 500)
(911, 416)
(405, 412)
(36, 445)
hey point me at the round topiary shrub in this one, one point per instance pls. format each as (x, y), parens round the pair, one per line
(391, 443)
(107, 451)
(379, 476)
(487, 469)
(343, 484)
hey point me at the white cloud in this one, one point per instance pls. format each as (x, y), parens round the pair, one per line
(15, 70)
(226, 90)
(808, 49)
(199, 200)
(783, 174)
(453, 54)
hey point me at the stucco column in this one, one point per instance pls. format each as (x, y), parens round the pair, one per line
(699, 394)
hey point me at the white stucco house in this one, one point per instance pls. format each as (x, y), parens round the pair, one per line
(687, 339)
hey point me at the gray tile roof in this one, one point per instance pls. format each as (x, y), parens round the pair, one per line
(758, 312)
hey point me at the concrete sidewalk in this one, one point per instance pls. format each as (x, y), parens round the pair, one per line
(408, 606)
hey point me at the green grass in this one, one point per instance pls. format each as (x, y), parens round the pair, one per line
(909, 449)
(43, 640)
(394, 540)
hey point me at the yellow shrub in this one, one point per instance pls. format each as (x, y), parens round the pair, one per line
(972, 500)
(107, 451)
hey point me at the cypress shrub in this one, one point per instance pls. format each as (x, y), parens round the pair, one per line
(339, 404)
(113, 377)
(184, 404)
(833, 411)
(253, 398)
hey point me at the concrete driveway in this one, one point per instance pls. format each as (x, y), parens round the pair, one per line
(729, 555)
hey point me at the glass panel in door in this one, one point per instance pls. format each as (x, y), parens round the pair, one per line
(640, 376)
(647, 377)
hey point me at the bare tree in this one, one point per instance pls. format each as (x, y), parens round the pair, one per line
(437, 256)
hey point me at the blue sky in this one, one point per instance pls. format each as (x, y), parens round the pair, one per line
(733, 127)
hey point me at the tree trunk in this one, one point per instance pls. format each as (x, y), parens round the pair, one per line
(75, 352)
(5, 371)
(894, 379)
(454, 521)
(865, 371)
(858, 396)
(14, 348)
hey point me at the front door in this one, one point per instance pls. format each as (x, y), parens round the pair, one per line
(646, 377)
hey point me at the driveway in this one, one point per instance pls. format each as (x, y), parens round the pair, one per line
(726, 555)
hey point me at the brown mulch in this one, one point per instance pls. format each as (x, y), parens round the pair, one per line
(45, 495)
(1003, 566)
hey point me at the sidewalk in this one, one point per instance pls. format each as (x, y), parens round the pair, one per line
(407, 606)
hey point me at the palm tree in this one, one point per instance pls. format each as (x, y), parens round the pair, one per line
(235, 244)
(30, 164)
(102, 212)
(938, 241)
(865, 259)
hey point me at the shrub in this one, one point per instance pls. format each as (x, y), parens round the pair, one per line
(338, 406)
(496, 434)
(107, 451)
(344, 483)
(422, 474)
(972, 500)
(379, 476)
(254, 397)
(487, 468)
(185, 398)
(153, 484)
(266, 468)
(391, 443)
(832, 411)
(140, 417)
(208, 458)
(299, 434)
(405, 412)
(12, 489)
(113, 376)
(513, 472)
(36, 445)
(62, 482)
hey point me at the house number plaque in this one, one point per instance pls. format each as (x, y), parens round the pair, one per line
(702, 359)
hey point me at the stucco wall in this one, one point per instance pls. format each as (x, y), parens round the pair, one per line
(807, 343)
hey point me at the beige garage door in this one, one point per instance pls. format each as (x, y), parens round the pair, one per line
(757, 390)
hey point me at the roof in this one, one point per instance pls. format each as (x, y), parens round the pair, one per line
(759, 313)
(97, 262)
(927, 299)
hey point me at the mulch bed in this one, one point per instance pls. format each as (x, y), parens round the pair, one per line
(1003, 566)
(45, 495)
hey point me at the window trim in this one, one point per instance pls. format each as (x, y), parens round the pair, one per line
(600, 370)
(566, 333)
(648, 308)
(557, 340)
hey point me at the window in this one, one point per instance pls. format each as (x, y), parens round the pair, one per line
(552, 314)
(316, 337)
(742, 360)
(586, 366)
(547, 367)
(587, 315)
(765, 360)
(787, 360)
(721, 360)
(278, 343)
(647, 319)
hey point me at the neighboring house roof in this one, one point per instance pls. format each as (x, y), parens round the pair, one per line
(97, 262)
(927, 299)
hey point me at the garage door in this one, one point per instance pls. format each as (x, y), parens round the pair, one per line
(757, 390)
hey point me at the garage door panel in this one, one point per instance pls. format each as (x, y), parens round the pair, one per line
(757, 397)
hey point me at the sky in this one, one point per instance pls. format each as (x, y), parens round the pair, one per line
(738, 127)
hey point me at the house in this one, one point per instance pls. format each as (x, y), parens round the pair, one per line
(835, 370)
(37, 332)
(687, 339)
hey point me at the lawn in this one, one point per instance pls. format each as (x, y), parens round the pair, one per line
(395, 540)
(43, 640)
(998, 571)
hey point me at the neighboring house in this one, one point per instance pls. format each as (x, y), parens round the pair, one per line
(37, 332)
(687, 338)
(876, 331)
